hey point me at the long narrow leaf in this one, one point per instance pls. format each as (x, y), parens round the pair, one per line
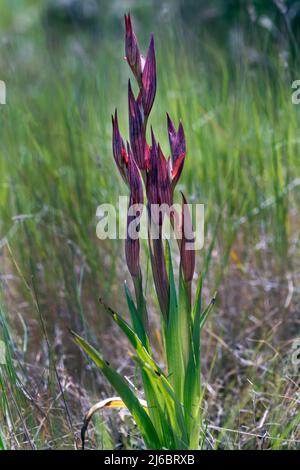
(2, 443)
(134, 340)
(155, 404)
(168, 403)
(198, 298)
(185, 319)
(120, 385)
(173, 337)
(207, 311)
(136, 320)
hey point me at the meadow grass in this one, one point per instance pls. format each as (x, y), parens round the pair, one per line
(56, 167)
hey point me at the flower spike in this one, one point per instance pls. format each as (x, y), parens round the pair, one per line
(139, 160)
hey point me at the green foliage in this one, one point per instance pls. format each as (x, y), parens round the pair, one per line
(173, 397)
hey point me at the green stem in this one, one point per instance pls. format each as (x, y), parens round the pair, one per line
(140, 300)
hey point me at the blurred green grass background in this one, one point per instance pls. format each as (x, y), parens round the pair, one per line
(228, 76)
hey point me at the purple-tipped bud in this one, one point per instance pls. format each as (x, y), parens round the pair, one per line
(119, 151)
(152, 176)
(149, 79)
(178, 149)
(163, 179)
(159, 270)
(187, 246)
(158, 182)
(134, 179)
(132, 51)
(132, 243)
(137, 130)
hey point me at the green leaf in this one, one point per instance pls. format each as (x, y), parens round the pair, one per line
(173, 338)
(135, 341)
(2, 443)
(158, 391)
(198, 298)
(192, 399)
(185, 319)
(206, 313)
(157, 401)
(192, 388)
(140, 301)
(171, 410)
(157, 407)
(120, 385)
(136, 320)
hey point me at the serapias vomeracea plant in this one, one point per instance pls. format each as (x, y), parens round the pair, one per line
(169, 416)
